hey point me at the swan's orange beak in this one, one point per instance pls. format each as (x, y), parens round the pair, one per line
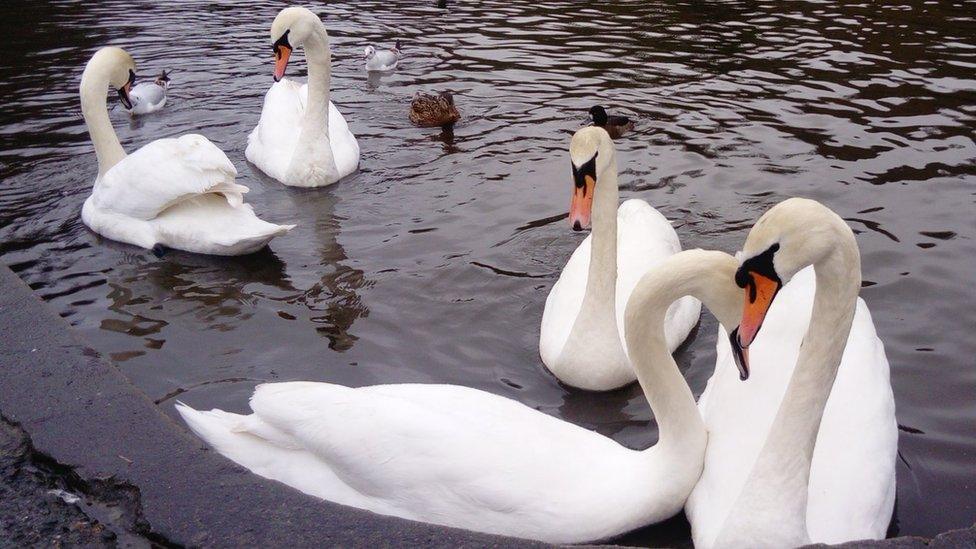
(760, 292)
(282, 53)
(582, 203)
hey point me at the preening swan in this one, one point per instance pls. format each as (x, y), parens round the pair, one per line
(147, 97)
(301, 138)
(582, 335)
(466, 458)
(776, 475)
(178, 193)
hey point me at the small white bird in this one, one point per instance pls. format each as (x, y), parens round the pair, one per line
(382, 60)
(149, 97)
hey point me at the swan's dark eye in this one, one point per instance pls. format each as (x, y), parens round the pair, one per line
(761, 264)
(280, 43)
(587, 169)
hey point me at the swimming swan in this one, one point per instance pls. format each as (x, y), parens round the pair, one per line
(177, 193)
(776, 475)
(301, 139)
(582, 336)
(460, 457)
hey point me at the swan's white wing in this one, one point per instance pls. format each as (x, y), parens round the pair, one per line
(852, 482)
(438, 453)
(852, 477)
(645, 238)
(164, 173)
(563, 304)
(272, 142)
(345, 147)
(179, 193)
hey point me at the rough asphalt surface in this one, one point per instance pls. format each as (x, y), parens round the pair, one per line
(88, 459)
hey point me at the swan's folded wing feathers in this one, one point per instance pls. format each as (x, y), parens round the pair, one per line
(380, 436)
(166, 172)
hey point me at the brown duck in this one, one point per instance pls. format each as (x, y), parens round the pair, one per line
(428, 110)
(616, 126)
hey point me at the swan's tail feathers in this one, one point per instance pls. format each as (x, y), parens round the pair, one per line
(216, 427)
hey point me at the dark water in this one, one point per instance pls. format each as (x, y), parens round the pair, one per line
(432, 263)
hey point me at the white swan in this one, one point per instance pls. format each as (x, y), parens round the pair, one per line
(147, 97)
(301, 139)
(776, 475)
(178, 193)
(470, 459)
(582, 336)
(382, 60)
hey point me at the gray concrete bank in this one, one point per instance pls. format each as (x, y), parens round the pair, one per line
(81, 422)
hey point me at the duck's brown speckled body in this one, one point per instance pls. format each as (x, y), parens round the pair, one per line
(427, 110)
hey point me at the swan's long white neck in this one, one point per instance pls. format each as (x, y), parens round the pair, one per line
(94, 83)
(601, 281)
(319, 58)
(597, 318)
(773, 504)
(708, 276)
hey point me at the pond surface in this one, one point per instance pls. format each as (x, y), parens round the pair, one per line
(433, 262)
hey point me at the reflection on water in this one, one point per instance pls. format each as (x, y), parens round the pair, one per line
(432, 263)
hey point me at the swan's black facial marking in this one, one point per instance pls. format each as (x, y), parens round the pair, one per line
(124, 90)
(280, 43)
(587, 169)
(761, 264)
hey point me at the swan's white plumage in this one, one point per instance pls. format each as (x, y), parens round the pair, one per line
(852, 476)
(179, 193)
(644, 238)
(467, 458)
(272, 143)
(498, 466)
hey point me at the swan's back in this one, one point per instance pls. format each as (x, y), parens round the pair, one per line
(164, 173)
(645, 238)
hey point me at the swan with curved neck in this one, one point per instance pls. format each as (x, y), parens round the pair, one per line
(824, 472)
(470, 459)
(582, 335)
(172, 193)
(302, 140)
